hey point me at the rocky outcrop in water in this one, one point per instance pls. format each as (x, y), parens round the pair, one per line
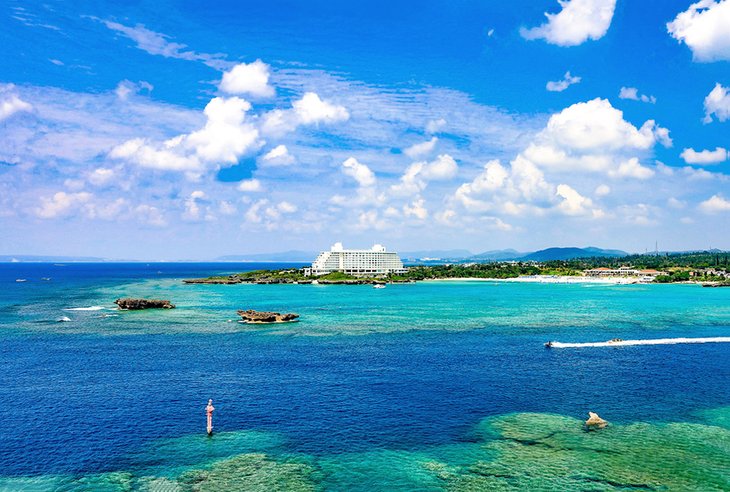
(131, 304)
(595, 422)
(251, 316)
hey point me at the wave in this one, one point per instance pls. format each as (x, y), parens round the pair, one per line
(90, 308)
(655, 341)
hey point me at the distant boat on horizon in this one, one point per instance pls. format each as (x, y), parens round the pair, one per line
(21, 280)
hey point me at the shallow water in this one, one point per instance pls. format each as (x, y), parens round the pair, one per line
(405, 388)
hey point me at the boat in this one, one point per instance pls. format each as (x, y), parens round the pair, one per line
(378, 286)
(63, 319)
(615, 340)
(549, 344)
(46, 278)
(21, 280)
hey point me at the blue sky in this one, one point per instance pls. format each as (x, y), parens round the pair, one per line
(177, 130)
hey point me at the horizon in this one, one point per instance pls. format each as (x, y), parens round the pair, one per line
(15, 258)
(167, 131)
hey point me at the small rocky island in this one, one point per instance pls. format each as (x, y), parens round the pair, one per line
(131, 304)
(251, 316)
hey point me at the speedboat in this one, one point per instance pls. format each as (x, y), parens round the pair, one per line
(378, 286)
(20, 280)
(63, 319)
(549, 344)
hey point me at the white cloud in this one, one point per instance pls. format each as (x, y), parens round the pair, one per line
(632, 93)
(359, 172)
(156, 43)
(593, 137)
(578, 21)
(515, 190)
(278, 156)
(251, 79)
(418, 174)
(61, 204)
(309, 110)
(602, 190)
(676, 203)
(717, 103)
(10, 103)
(419, 149)
(127, 87)
(250, 186)
(564, 83)
(715, 204)
(225, 137)
(416, 209)
(631, 169)
(150, 215)
(435, 126)
(574, 203)
(692, 156)
(192, 207)
(101, 176)
(705, 28)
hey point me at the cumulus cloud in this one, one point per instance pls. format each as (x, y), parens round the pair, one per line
(10, 103)
(715, 204)
(518, 189)
(632, 93)
(278, 156)
(564, 83)
(717, 103)
(692, 156)
(126, 87)
(435, 126)
(61, 204)
(269, 214)
(101, 176)
(359, 172)
(594, 136)
(420, 149)
(602, 190)
(225, 137)
(250, 185)
(250, 79)
(705, 28)
(631, 169)
(309, 110)
(578, 21)
(573, 203)
(416, 209)
(418, 174)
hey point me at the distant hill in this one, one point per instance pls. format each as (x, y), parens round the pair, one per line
(570, 253)
(294, 255)
(440, 254)
(498, 255)
(44, 259)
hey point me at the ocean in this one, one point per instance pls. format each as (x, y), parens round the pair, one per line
(442, 385)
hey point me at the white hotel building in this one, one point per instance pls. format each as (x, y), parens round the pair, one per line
(358, 262)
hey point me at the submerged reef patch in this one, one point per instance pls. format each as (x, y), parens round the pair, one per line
(522, 451)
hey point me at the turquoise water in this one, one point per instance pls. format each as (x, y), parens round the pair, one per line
(428, 386)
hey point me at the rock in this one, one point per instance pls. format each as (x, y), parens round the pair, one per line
(131, 304)
(251, 316)
(595, 422)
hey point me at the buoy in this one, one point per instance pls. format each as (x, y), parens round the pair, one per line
(209, 412)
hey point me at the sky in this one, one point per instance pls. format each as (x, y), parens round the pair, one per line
(189, 130)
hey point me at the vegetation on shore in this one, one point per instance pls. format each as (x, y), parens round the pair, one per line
(679, 267)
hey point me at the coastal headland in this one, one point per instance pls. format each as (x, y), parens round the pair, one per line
(707, 269)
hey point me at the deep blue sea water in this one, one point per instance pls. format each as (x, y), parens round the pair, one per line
(374, 389)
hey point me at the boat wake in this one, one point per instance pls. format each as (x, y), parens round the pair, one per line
(628, 343)
(90, 308)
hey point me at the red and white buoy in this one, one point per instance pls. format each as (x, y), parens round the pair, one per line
(209, 412)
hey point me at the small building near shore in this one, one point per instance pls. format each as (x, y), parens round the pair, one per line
(623, 271)
(358, 262)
